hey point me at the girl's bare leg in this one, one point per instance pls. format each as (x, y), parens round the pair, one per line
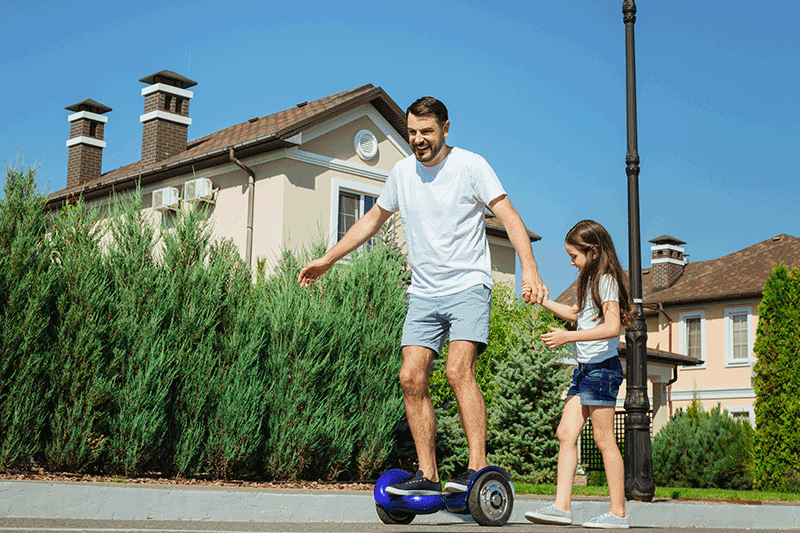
(603, 428)
(572, 420)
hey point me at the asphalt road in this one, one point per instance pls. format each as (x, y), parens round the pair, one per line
(30, 525)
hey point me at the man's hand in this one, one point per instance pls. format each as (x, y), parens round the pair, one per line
(555, 338)
(312, 271)
(534, 290)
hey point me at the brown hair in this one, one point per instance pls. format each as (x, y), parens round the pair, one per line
(428, 105)
(592, 239)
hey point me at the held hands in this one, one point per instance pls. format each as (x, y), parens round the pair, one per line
(555, 338)
(534, 290)
(312, 271)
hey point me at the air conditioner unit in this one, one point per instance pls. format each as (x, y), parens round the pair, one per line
(198, 189)
(165, 199)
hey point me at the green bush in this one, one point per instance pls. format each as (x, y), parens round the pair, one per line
(27, 298)
(704, 449)
(777, 383)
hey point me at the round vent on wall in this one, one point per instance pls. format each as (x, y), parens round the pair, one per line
(366, 144)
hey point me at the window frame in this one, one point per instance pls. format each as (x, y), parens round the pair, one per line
(682, 337)
(339, 186)
(729, 313)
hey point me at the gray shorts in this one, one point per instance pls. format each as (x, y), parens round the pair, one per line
(463, 315)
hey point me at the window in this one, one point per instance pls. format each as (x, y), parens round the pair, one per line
(350, 201)
(352, 206)
(167, 102)
(92, 129)
(738, 347)
(693, 335)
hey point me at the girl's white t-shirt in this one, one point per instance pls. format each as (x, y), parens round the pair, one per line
(597, 351)
(443, 216)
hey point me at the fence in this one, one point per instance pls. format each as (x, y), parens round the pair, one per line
(591, 459)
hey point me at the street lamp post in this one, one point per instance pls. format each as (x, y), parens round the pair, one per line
(639, 483)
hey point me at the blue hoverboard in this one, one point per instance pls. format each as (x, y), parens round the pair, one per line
(489, 499)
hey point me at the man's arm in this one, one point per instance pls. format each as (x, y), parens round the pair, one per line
(533, 289)
(364, 228)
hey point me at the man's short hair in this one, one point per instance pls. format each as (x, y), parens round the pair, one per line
(428, 105)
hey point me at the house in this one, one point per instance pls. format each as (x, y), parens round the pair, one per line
(708, 311)
(270, 183)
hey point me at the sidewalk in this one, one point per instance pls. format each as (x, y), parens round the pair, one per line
(112, 501)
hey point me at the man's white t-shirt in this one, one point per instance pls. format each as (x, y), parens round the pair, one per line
(596, 351)
(442, 210)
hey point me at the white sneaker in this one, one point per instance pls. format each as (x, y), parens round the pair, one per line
(550, 515)
(608, 521)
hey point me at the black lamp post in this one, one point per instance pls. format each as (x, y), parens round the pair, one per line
(639, 483)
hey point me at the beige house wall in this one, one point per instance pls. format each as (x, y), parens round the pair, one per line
(296, 190)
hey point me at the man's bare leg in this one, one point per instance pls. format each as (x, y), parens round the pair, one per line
(415, 375)
(462, 356)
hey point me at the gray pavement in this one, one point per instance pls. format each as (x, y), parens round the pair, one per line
(46, 506)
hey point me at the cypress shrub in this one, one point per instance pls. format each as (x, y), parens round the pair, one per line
(82, 377)
(140, 430)
(237, 427)
(27, 292)
(197, 279)
(332, 363)
(777, 383)
(527, 406)
(704, 449)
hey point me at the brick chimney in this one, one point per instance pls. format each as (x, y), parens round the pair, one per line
(166, 119)
(667, 262)
(87, 125)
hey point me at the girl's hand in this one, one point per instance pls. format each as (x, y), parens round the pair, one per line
(555, 338)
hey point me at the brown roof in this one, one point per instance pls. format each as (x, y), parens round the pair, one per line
(741, 274)
(248, 138)
(662, 356)
(495, 228)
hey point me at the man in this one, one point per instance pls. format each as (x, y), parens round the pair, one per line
(441, 193)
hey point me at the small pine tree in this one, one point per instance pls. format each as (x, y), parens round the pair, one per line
(777, 383)
(527, 405)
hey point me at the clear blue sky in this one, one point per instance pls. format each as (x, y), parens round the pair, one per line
(537, 88)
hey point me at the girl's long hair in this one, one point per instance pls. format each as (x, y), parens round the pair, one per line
(592, 239)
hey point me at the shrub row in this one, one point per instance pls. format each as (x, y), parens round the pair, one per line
(128, 350)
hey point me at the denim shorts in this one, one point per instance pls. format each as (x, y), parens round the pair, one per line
(597, 383)
(463, 315)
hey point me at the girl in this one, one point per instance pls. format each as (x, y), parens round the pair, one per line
(603, 305)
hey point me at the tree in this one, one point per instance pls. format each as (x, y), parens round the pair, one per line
(777, 383)
(528, 402)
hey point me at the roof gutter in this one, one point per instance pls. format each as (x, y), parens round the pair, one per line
(251, 185)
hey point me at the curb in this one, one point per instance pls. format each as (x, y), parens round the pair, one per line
(111, 501)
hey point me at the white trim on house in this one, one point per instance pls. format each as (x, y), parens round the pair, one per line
(713, 394)
(682, 347)
(87, 114)
(164, 88)
(91, 141)
(336, 164)
(729, 360)
(751, 414)
(497, 241)
(166, 115)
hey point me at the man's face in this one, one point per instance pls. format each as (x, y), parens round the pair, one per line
(426, 137)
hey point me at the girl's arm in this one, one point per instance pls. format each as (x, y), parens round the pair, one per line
(608, 329)
(565, 312)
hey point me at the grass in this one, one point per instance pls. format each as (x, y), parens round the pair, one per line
(667, 492)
